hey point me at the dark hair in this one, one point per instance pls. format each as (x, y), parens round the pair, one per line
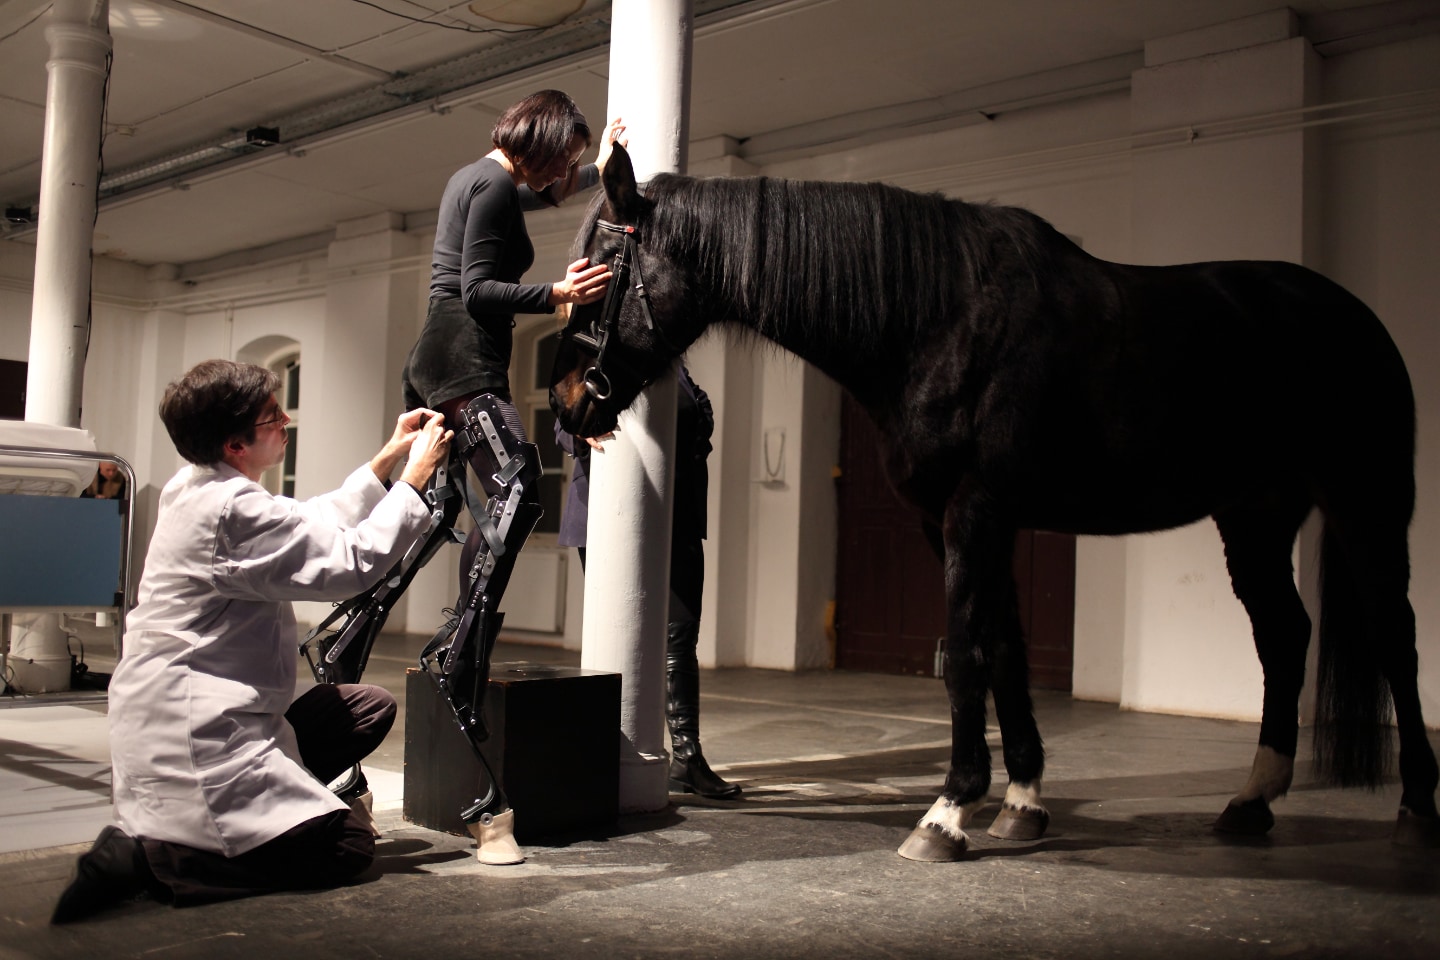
(215, 401)
(537, 131)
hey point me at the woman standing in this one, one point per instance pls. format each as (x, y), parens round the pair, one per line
(460, 366)
(482, 250)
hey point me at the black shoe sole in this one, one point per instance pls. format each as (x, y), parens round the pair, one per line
(680, 786)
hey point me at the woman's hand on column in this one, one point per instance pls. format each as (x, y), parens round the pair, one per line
(614, 133)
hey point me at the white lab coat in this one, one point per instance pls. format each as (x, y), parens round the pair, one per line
(201, 750)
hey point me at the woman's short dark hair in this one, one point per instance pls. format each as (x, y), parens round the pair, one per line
(537, 131)
(215, 401)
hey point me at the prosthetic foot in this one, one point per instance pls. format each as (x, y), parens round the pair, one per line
(495, 839)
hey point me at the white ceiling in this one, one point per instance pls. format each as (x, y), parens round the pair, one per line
(783, 77)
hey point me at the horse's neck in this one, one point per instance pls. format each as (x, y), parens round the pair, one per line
(826, 342)
(859, 375)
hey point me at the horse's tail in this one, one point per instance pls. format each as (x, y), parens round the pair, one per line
(1352, 709)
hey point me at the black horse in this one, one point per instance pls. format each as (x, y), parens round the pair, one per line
(1020, 382)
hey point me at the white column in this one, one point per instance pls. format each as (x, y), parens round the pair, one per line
(79, 35)
(627, 591)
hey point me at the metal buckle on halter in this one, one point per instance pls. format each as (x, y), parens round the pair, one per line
(597, 384)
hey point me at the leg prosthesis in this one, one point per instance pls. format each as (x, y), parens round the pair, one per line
(490, 440)
(506, 467)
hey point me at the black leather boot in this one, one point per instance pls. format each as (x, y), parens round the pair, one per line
(115, 870)
(689, 773)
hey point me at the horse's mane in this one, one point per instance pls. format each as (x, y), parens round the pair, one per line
(865, 261)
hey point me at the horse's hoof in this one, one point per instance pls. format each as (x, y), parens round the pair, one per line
(1019, 823)
(1252, 818)
(1414, 830)
(930, 844)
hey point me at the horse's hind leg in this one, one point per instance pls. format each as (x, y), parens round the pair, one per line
(1258, 540)
(1377, 555)
(1418, 824)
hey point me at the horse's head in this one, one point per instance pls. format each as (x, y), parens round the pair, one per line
(611, 350)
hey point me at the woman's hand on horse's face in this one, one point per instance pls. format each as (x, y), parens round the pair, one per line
(582, 284)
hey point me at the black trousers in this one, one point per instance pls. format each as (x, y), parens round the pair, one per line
(336, 726)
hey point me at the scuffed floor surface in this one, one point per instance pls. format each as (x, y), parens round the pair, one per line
(836, 767)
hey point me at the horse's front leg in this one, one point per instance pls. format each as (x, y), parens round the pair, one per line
(983, 648)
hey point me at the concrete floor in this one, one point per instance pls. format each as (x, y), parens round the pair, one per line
(837, 767)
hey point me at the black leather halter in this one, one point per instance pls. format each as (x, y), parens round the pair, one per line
(594, 337)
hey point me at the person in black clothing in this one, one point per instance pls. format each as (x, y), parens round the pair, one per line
(460, 366)
(694, 424)
(482, 250)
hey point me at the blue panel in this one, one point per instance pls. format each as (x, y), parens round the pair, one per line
(59, 551)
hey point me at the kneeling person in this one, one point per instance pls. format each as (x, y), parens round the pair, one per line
(219, 779)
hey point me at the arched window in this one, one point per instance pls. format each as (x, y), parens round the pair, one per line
(282, 355)
(281, 478)
(534, 359)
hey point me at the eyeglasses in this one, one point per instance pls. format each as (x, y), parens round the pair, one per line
(282, 419)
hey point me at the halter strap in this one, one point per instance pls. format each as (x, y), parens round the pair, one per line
(594, 335)
(629, 256)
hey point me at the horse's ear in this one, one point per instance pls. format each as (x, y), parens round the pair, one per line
(620, 188)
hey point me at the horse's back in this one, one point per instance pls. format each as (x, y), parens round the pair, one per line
(1172, 391)
(1277, 339)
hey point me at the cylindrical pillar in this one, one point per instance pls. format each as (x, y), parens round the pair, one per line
(627, 581)
(79, 35)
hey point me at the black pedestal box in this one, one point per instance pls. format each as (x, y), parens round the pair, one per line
(554, 743)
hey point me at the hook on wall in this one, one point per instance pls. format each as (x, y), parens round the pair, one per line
(772, 455)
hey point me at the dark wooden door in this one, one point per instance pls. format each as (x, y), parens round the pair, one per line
(890, 588)
(12, 389)
(1045, 576)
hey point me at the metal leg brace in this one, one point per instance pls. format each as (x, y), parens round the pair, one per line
(339, 647)
(491, 441)
(506, 466)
